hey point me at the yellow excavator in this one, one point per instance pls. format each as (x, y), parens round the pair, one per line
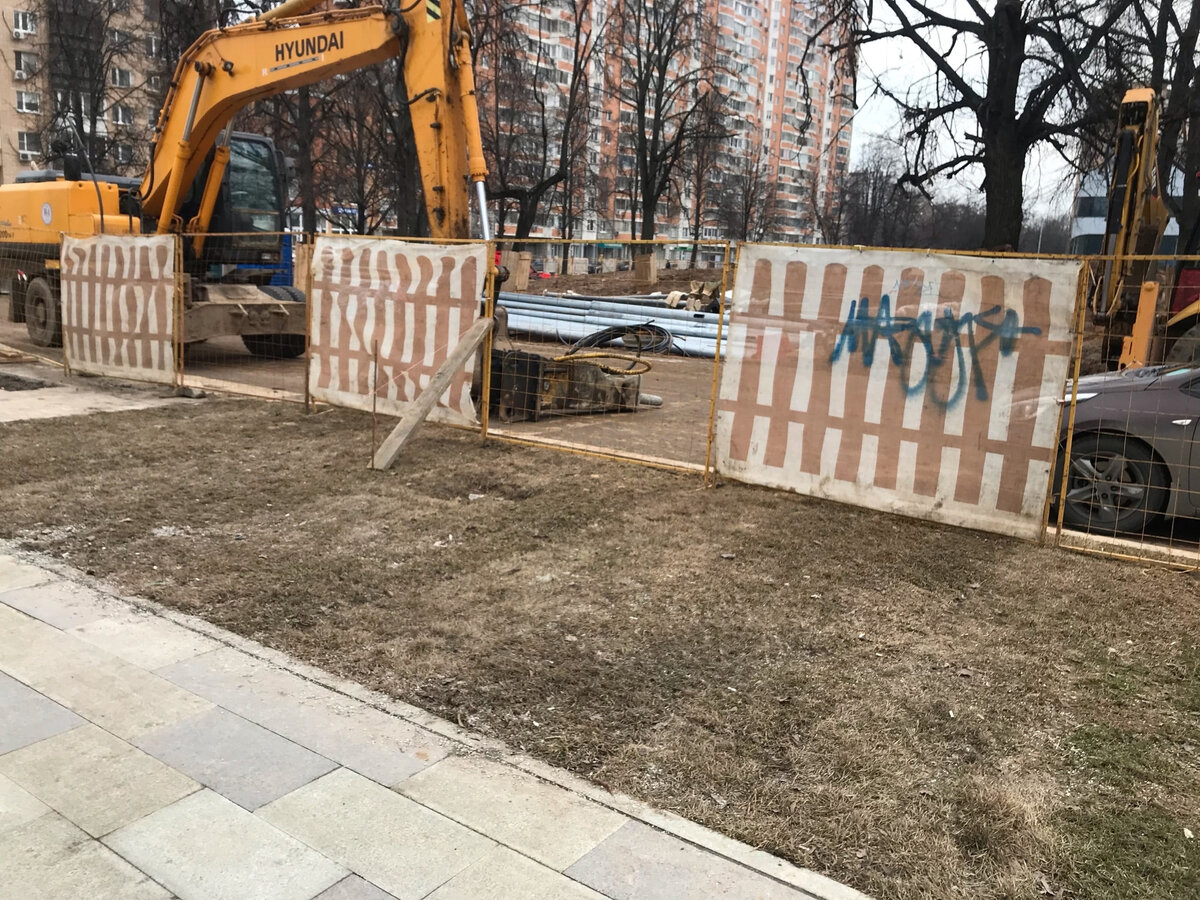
(204, 178)
(1150, 312)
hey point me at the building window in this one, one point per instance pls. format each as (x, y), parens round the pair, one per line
(24, 23)
(66, 103)
(28, 102)
(29, 142)
(124, 154)
(121, 78)
(122, 115)
(24, 65)
(153, 46)
(119, 41)
(154, 82)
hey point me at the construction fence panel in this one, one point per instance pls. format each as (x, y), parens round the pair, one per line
(118, 306)
(610, 347)
(1128, 475)
(914, 383)
(385, 315)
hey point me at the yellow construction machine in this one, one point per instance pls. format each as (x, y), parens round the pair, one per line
(191, 187)
(1150, 312)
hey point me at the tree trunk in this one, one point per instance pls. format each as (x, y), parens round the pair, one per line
(304, 161)
(1004, 170)
(697, 224)
(527, 208)
(648, 210)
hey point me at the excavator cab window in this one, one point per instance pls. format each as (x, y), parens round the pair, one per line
(247, 221)
(254, 187)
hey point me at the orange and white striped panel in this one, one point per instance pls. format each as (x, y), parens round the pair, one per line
(385, 315)
(915, 383)
(118, 305)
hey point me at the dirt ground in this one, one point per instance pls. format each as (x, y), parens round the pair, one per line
(920, 711)
(613, 284)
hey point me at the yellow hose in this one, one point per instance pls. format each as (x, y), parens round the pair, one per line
(611, 370)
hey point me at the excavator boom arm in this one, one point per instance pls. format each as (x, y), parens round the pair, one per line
(1137, 215)
(227, 69)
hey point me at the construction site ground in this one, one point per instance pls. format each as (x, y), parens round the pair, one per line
(915, 710)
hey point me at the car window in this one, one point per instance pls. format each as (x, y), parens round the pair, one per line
(1191, 388)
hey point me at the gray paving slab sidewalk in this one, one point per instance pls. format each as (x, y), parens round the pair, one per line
(145, 753)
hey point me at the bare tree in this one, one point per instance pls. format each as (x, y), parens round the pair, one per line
(704, 164)
(878, 210)
(91, 82)
(535, 101)
(661, 68)
(1026, 71)
(397, 148)
(1167, 34)
(351, 170)
(746, 201)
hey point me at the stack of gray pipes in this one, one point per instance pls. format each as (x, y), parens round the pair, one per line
(569, 317)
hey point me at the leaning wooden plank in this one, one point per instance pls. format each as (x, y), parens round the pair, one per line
(428, 398)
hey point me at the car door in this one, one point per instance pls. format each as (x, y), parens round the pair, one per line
(1184, 414)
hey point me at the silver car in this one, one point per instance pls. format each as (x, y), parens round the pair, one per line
(1134, 456)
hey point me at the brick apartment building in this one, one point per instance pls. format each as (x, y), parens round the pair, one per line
(96, 61)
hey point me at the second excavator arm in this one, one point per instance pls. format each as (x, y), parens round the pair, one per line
(227, 69)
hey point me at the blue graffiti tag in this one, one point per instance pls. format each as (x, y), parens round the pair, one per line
(938, 336)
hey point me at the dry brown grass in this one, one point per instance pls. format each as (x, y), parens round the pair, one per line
(920, 711)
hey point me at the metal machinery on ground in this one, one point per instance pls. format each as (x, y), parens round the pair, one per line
(204, 178)
(1155, 315)
(528, 386)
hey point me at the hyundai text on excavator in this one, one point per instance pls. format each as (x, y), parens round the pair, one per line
(1150, 312)
(204, 178)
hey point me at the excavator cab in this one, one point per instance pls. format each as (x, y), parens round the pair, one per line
(247, 242)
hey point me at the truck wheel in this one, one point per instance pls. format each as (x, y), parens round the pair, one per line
(275, 346)
(42, 314)
(1186, 349)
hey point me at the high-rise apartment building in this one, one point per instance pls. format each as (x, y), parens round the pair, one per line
(782, 124)
(796, 105)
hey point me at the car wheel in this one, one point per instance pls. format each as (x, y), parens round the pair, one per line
(1186, 349)
(1114, 484)
(41, 314)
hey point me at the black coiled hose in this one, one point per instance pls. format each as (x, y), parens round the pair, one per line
(644, 338)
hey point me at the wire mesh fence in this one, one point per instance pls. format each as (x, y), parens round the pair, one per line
(1127, 475)
(625, 350)
(243, 316)
(30, 312)
(610, 347)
